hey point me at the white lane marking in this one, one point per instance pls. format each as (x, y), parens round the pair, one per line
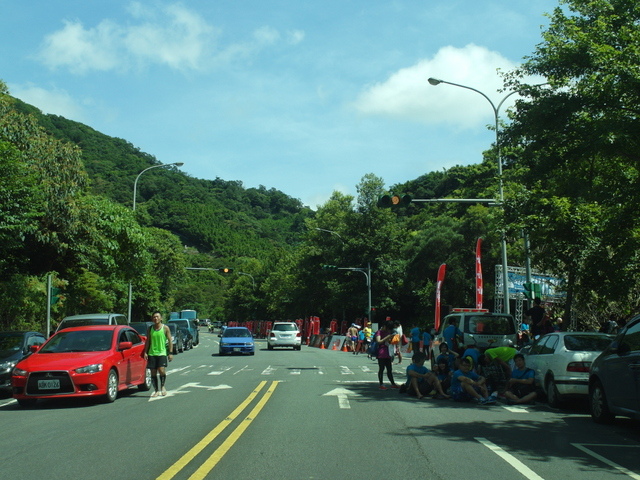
(515, 409)
(343, 396)
(621, 469)
(344, 370)
(219, 372)
(320, 370)
(175, 370)
(295, 371)
(510, 459)
(245, 368)
(365, 369)
(269, 370)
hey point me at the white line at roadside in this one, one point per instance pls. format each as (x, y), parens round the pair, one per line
(510, 459)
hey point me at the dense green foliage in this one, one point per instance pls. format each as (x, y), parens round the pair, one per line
(571, 178)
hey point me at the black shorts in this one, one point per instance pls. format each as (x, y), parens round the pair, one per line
(521, 390)
(156, 361)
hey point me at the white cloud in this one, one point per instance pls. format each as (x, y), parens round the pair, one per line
(295, 36)
(407, 94)
(81, 50)
(174, 36)
(57, 102)
(266, 35)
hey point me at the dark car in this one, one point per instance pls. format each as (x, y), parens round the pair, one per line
(14, 346)
(614, 380)
(177, 337)
(191, 326)
(141, 327)
(187, 338)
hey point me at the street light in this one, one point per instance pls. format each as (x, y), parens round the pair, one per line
(135, 188)
(331, 232)
(496, 110)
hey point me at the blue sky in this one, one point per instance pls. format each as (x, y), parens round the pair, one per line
(302, 96)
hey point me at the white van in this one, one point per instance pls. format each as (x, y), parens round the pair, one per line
(92, 319)
(480, 327)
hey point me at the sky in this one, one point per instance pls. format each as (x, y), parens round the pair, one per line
(305, 97)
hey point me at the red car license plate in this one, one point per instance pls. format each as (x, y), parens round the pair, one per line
(49, 384)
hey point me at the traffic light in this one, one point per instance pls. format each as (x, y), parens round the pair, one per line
(226, 270)
(55, 295)
(532, 290)
(329, 267)
(389, 201)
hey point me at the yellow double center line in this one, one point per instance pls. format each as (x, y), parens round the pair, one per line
(216, 456)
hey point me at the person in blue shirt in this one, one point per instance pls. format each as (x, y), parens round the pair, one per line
(452, 335)
(520, 387)
(467, 385)
(415, 339)
(420, 380)
(427, 340)
(473, 352)
(448, 356)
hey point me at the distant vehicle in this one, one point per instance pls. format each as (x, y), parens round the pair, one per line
(93, 319)
(190, 325)
(187, 338)
(189, 314)
(284, 334)
(90, 361)
(236, 340)
(614, 381)
(14, 346)
(480, 327)
(561, 362)
(177, 337)
(141, 327)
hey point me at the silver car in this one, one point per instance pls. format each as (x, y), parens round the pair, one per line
(284, 334)
(562, 360)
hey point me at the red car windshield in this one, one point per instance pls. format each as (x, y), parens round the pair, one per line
(79, 341)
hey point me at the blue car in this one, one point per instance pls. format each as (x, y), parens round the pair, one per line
(236, 340)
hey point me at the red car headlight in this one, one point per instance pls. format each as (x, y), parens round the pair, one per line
(95, 368)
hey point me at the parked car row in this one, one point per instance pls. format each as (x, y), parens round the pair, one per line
(603, 368)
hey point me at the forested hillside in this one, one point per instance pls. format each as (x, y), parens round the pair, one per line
(569, 152)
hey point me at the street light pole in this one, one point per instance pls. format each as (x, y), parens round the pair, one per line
(135, 189)
(496, 110)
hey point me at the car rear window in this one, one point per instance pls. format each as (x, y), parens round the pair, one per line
(489, 325)
(285, 327)
(586, 343)
(84, 321)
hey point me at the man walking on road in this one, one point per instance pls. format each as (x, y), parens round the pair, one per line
(159, 342)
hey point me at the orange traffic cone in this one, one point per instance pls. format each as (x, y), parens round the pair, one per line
(335, 345)
(344, 347)
(322, 347)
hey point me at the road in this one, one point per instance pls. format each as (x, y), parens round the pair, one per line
(309, 414)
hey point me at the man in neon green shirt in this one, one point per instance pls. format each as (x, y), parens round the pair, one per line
(159, 342)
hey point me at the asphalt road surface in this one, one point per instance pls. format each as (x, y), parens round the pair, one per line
(309, 414)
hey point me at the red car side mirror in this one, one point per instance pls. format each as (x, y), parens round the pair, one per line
(125, 345)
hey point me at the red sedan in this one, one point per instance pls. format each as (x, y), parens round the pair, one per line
(83, 362)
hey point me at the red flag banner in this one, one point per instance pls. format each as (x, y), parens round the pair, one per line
(479, 273)
(441, 272)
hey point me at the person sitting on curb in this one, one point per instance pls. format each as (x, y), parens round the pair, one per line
(421, 381)
(520, 387)
(448, 356)
(467, 385)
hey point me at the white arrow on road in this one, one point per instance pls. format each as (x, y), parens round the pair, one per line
(343, 396)
(171, 393)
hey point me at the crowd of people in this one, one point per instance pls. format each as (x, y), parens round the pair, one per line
(463, 374)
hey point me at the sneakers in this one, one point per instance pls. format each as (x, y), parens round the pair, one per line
(395, 385)
(489, 400)
(154, 394)
(382, 387)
